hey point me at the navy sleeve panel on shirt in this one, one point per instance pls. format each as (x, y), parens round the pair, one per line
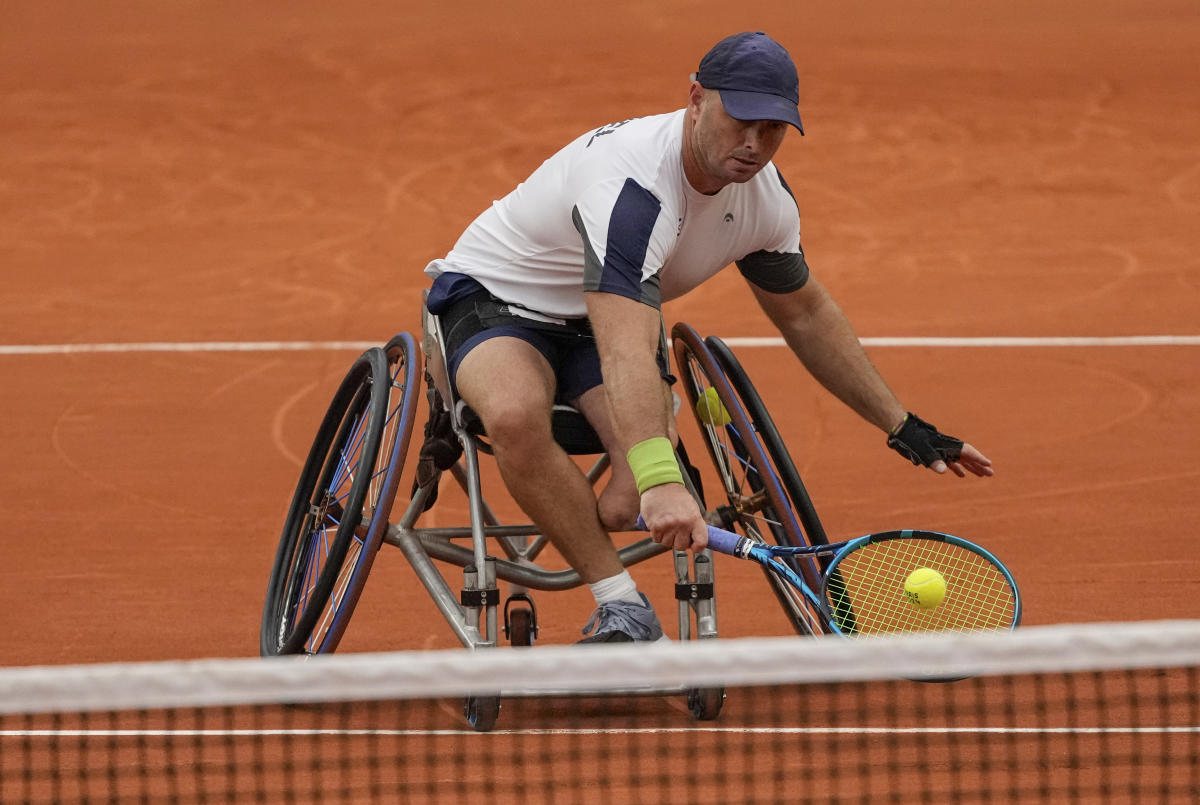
(775, 272)
(629, 230)
(783, 182)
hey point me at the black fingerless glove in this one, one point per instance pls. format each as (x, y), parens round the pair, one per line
(921, 443)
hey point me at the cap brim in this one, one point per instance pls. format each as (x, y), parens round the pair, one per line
(760, 106)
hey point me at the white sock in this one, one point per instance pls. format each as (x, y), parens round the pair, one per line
(620, 587)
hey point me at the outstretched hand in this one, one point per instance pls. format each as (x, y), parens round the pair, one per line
(923, 444)
(969, 460)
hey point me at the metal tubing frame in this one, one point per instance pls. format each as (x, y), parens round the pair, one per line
(481, 570)
(478, 629)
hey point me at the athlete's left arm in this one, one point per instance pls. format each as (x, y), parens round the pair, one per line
(818, 332)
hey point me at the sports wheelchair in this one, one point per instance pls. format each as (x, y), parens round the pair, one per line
(339, 515)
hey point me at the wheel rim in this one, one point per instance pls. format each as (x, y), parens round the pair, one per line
(381, 491)
(318, 537)
(327, 536)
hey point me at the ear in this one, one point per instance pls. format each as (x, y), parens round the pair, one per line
(696, 96)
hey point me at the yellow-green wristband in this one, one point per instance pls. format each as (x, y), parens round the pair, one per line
(653, 463)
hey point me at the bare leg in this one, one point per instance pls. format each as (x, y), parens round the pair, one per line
(618, 505)
(509, 384)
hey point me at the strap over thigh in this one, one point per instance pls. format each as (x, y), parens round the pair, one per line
(433, 346)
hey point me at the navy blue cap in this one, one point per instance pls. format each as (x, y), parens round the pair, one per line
(755, 76)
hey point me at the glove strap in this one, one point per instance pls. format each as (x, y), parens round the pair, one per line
(922, 443)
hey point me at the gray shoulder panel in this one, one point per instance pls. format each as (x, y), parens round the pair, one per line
(775, 272)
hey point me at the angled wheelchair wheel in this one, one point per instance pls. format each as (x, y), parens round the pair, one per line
(757, 502)
(780, 459)
(339, 512)
(403, 394)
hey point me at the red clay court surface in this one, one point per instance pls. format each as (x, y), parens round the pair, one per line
(225, 172)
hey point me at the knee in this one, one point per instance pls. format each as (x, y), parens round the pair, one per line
(514, 429)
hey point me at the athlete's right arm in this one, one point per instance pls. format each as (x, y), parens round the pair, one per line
(627, 334)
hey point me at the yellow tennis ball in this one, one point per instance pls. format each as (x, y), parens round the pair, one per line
(711, 410)
(925, 588)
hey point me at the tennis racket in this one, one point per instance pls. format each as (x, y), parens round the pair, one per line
(862, 585)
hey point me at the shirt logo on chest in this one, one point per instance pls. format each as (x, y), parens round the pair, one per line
(607, 129)
(729, 218)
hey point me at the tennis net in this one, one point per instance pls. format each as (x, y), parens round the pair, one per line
(1090, 713)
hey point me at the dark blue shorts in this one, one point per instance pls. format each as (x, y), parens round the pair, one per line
(470, 315)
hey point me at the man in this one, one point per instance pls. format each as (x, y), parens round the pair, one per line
(553, 294)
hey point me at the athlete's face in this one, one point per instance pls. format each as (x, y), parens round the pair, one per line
(720, 150)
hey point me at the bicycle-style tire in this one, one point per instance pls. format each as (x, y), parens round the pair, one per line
(758, 504)
(326, 511)
(403, 393)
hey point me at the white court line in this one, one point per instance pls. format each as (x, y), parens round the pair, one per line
(1003, 341)
(189, 346)
(235, 733)
(746, 342)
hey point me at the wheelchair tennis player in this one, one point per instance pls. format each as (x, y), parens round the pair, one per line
(553, 294)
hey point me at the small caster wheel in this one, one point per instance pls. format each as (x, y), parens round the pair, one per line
(520, 627)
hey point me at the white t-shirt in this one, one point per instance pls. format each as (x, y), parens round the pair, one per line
(613, 212)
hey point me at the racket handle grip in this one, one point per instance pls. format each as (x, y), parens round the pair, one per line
(719, 540)
(723, 541)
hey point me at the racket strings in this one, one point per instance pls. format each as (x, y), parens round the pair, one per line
(871, 596)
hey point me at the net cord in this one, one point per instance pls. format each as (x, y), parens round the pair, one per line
(581, 669)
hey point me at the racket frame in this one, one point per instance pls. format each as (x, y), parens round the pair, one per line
(769, 556)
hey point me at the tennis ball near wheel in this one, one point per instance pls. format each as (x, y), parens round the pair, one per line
(711, 410)
(925, 588)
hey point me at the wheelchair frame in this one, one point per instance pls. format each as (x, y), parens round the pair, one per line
(339, 514)
(473, 615)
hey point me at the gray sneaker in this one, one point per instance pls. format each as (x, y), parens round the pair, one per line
(624, 622)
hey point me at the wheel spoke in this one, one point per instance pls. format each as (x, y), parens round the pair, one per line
(311, 571)
(349, 453)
